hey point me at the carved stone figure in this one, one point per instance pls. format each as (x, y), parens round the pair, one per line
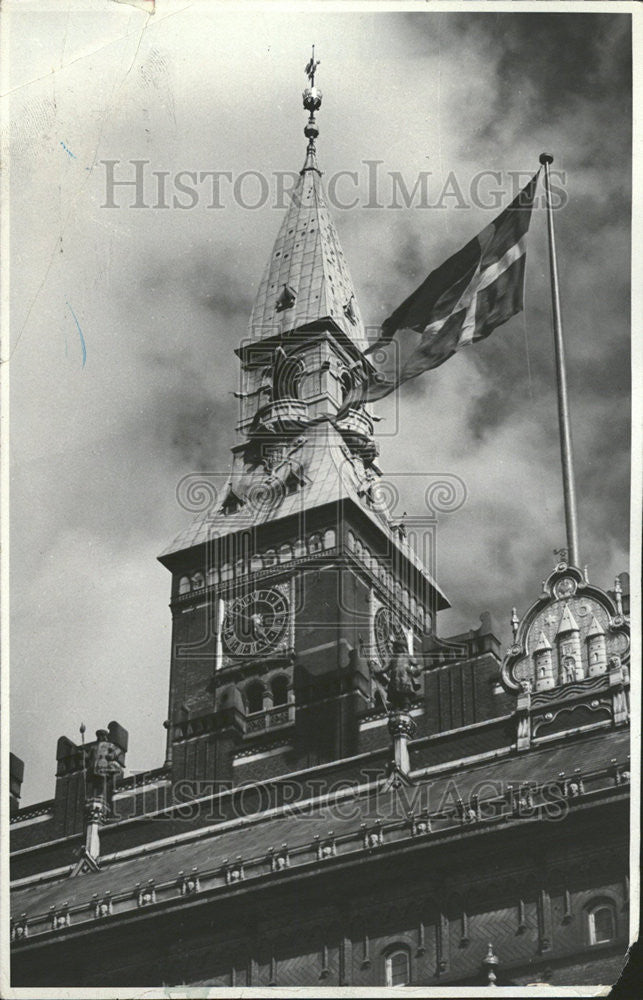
(105, 756)
(569, 673)
(400, 675)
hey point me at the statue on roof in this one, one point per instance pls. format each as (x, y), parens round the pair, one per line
(398, 678)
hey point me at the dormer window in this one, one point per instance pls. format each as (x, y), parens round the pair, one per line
(231, 503)
(286, 298)
(398, 968)
(349, 310)
(601, 923)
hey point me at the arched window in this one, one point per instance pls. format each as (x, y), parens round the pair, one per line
(198, 581)
(279, 686)
(601, 923)
(300, 548)
(329, 539)
(314, 543)
(256, 563)
(285, 553)
(254, 697)
(240, 567)
(350, 539)
(226, 572)
(398, 968)
(184, 585)
(212, 577)
(270, 558)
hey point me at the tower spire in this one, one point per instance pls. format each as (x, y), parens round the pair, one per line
(312, 98)
(307, 283)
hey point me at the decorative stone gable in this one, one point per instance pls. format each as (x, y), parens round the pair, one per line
(570, 634)
(569, 661)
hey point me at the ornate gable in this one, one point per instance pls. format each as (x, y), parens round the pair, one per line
(569, 661)
(569, 634)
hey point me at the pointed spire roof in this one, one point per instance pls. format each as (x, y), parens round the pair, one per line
(567, 622)
(595, 627)
(542, 644)
(307, 279)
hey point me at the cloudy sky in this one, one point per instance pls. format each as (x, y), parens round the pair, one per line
(124, 320)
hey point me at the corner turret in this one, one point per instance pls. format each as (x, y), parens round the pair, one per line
(543, 666)
(596, 648)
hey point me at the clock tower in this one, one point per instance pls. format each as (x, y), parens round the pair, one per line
(292, 583)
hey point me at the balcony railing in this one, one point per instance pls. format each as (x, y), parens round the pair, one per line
(271, 718)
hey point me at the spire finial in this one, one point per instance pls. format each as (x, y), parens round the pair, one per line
(312, 102)
(490, 963)
(618, 594)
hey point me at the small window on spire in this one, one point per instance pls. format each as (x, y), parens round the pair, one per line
(286, 298)
(349, 310)
(231, 504)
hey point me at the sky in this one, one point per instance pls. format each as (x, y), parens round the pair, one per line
(124, 320)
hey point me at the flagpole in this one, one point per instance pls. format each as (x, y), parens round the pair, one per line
(569, 490)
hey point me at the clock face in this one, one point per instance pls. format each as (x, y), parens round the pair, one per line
(388, 626)
(255, 622)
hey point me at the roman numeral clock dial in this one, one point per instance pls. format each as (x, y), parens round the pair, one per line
(388, 626)
(255, 622)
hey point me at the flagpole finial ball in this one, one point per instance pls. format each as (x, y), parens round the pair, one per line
(546, 158)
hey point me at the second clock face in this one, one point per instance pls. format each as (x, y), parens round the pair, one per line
(255, 622)
(388, 626)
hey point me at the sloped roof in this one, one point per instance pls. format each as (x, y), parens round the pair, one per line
(567, 622)
(308, 260)
(248, 843)
(543, 643)
(330, 474)
(595, 627)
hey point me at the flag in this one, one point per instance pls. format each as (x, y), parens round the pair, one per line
(462, 301)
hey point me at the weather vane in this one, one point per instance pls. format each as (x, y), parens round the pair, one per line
(312, 103)
(311, 68)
